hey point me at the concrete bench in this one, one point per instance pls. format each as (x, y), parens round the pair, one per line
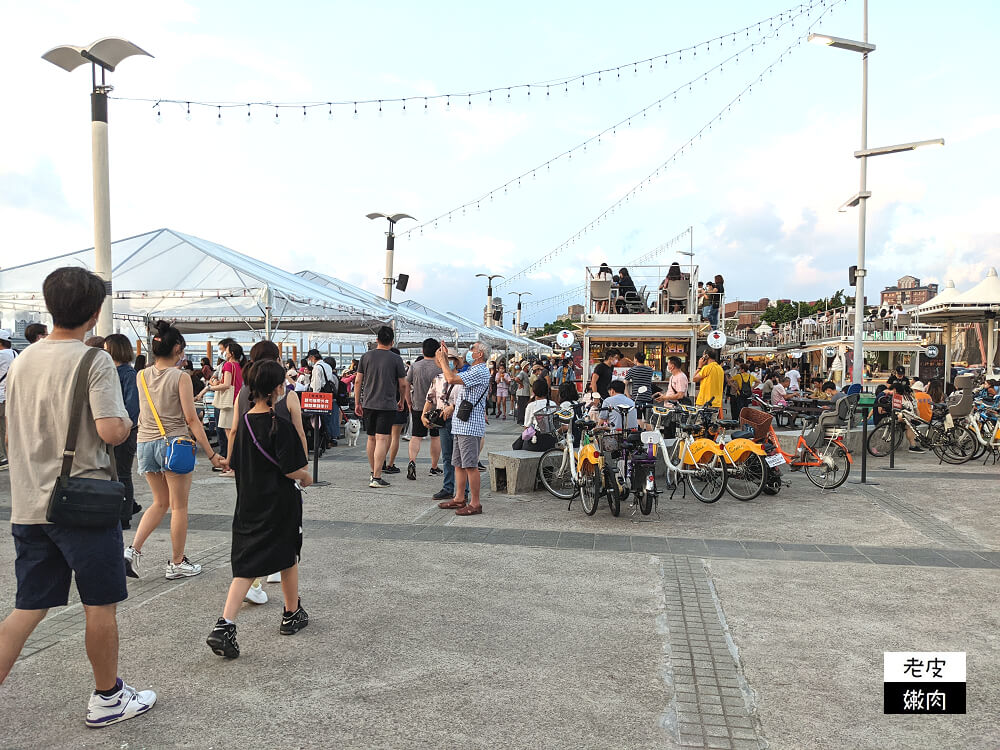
(513, 472)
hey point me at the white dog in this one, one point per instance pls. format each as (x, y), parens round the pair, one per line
(353, 431)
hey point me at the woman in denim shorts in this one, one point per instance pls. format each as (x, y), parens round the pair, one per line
(171, 392)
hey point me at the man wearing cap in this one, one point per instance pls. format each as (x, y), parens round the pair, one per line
(6, 357)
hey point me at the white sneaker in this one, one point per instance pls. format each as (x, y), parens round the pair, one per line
(124, 704)
(256, 594)
(184, 569)
(132, 557)
(274, 578)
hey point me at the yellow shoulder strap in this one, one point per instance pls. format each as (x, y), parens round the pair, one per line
(149, 400)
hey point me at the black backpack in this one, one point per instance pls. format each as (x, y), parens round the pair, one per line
(746, 391)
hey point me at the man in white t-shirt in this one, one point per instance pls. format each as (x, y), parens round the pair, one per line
(40, 400)
(793, 378)
(609, 407)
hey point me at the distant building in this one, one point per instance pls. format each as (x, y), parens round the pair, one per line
(575, 311)
(746, 313)
(908, 291)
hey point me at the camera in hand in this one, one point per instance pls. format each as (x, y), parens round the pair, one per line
(436, 417)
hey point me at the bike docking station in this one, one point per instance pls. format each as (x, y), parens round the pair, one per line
(316, 404)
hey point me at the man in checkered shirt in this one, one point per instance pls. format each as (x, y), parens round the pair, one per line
(468, 434)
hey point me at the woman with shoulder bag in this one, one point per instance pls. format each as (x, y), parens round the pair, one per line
(168, 430)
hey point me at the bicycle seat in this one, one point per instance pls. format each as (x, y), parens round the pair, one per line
(633, 438)
(586, 424)
(744, 434)
(729, 424)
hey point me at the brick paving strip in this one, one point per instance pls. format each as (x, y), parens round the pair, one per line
(711, 704)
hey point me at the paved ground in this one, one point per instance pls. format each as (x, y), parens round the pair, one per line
(733, 625)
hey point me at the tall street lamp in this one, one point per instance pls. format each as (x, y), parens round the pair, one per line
(517, 318)
(105, 54)
(860, 199)
(390, 244)
(489, 295)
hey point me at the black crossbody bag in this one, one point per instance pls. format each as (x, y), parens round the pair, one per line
(465, 408)
(80, 501)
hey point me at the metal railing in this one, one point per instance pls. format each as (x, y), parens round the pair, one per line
(652, 291)
(834, 325)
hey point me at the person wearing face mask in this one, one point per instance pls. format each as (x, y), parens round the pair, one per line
(444, 397)
(468, 425)
(604, 373)
(226, 392)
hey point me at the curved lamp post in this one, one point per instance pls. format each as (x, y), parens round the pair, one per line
(390, 244)
(105, 54)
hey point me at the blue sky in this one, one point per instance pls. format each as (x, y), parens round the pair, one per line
(761, 188)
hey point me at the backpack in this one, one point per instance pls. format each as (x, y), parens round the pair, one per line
(746, 390)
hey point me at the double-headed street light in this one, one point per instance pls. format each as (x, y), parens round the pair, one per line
(517, 317)
(489, 296)
(390, 245)
(105, 54)
(860, 199)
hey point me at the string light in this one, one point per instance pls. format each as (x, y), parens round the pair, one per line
(803, 9)
(612, 130)
(653, 175)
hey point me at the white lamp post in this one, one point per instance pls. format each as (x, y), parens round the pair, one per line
(517, 316)
(105, 54)
(860, 199)
(390, 245)
(489, 296)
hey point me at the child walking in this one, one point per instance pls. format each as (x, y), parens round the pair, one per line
(270, 467)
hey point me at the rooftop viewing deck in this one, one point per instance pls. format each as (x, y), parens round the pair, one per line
(643, 294)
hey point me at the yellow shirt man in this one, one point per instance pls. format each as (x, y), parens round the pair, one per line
(710, 379)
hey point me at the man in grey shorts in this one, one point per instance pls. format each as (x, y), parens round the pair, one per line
(467, 434)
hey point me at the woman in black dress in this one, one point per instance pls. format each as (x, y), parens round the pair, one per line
(270, 467)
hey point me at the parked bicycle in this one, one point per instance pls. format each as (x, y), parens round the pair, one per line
(696, 461)
(952, 443)
(820, 450)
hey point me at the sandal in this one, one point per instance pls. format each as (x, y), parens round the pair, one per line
(452, 504)
(469, 510)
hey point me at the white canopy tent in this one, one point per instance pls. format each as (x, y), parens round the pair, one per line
(981, 303)
(207, 288)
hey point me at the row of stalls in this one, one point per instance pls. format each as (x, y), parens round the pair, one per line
(209, 290)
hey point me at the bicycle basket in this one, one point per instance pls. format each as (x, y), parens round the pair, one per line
(757, 420)
(611, 444)
(545, 422)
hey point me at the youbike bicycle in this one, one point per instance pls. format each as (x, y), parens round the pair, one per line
(628, 469)
(984, 423)
(696, 461)
(559, 467)
(952, 443)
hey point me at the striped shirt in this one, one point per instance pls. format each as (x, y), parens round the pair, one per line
(639, 376)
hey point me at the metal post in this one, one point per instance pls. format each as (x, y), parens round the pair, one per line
(865, 415)
(390, 244)
(102, 200)
(268, 303)
(489, 303)
(859, 290)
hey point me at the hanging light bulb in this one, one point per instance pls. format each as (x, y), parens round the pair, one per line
(188, 115)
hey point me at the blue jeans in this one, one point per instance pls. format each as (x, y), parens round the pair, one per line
(711, 314)
(331, 423)
(447, 446)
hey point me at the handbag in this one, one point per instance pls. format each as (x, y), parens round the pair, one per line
(179, 455)
(82, 501)
(465, 408)
(264, 453)
(225, 399)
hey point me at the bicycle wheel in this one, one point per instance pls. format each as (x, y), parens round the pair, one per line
(708, 480)
(882, 438)
(746, 477)
(644, 496)
(554, 472)
(834, 470)
(590, 487)
(958, 445)
(614, 499)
